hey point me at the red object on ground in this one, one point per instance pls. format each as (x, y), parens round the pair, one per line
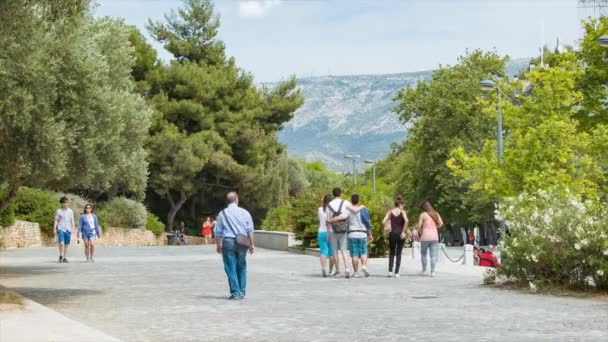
(488, 259)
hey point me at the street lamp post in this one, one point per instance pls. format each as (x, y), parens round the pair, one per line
(603, 40)
(373, 162)
(489, 85)
(353, 157)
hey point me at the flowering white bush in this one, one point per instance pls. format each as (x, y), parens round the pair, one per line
(555, 237)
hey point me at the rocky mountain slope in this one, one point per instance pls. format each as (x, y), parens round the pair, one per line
(352, 115)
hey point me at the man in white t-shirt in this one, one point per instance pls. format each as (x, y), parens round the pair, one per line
(63, 227)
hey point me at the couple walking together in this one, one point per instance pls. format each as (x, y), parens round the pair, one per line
(395, 224)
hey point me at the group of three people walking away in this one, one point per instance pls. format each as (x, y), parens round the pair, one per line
(332, 239)
(64, 225)
(344, 229)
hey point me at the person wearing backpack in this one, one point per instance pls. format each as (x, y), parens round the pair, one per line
(396, 220)
(359, 231)
(337, 214)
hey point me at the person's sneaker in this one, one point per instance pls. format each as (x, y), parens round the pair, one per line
(65, 260)
(333, 273)
(91, 259)
(337, 275)
(433, 274)
(397, 275)
(356, 275)
(347, 274)
(324, 273)
(423, 273)
(60, 259)
(365, 271)
(233, 297)
(390, 274)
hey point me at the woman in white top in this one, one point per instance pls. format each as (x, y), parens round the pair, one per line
(325, 250)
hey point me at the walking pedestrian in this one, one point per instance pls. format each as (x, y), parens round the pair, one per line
(88, 226)
(207, 225)
(63, 227)
(325, 250)
(397, 217)
(359, 233)
(430, 222)
(337, 214)
(233, 238)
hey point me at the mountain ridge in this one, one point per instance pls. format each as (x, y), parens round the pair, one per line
(352, 114)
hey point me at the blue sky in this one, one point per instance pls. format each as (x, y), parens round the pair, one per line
(277, 38)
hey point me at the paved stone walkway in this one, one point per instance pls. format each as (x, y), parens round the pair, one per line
(179, 294)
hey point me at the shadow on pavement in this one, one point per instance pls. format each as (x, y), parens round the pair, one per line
(47, 296)
(21, 271)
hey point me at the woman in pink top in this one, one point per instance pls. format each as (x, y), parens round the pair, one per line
(430, 221)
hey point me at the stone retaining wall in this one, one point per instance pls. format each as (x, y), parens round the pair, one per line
(130, 237)
(27, 234)
(21, 234)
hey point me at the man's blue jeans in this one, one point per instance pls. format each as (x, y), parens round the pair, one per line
(235, 265)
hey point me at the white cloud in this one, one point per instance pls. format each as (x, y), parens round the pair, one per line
(256, 8)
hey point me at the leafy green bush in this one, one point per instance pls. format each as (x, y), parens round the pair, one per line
(7, 217)
(154, 224)
(77, 203)
(304, 219)
(122, 213)
(278, 219)
(38, 206)
(556, 239)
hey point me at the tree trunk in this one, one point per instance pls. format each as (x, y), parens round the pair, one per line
(10, 196)
(175, 207)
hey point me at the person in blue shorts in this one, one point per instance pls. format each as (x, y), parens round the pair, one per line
(63, 228)
(359, 233)
(88, 226)
(325, 251)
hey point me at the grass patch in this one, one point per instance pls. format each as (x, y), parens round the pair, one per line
(559, 291)
(8, 297)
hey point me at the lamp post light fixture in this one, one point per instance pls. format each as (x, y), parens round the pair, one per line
(603, 40)
(353, 157)
(373, 162)
(489, 85)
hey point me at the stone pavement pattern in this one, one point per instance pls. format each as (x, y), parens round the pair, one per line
(179, 293)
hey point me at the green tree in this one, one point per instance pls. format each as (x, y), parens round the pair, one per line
(70, 118)
(214, 130)
(443, 113)
(594, 82)
(544, 147)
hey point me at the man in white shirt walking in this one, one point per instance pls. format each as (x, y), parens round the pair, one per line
(63, 227)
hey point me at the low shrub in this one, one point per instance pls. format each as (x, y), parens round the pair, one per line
(35, 205)
(278, 219)
(7, 217)
(122, 212)
(556, 239)
(154, 224)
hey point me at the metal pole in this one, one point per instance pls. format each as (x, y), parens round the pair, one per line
(374, 178)
(503, 227)
(354, 175)
(499, 129)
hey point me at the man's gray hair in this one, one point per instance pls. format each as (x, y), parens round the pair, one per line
(232, 197)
